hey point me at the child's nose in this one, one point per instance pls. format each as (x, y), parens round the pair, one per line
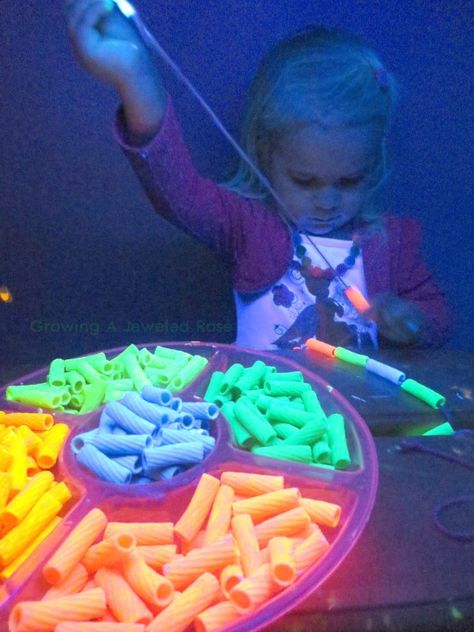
(326, 198)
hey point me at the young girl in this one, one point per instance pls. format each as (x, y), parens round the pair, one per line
(316, 124)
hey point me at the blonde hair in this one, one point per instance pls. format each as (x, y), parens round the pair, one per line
(320, 75)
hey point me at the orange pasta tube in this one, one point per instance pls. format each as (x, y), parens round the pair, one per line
(5, 483)
(21, 504)
(34, 421)
(287, 523)
(282, 561)
(254, 590)
(322, 512)
(198, 508)
(157, 555)
(216, 617)
(180, 613)
(357, 299)
(221, 513)
(246, 537)
(196, 543)
(310, 550)
(61, 492)
(31, 526)
(74, 583)
(109, 551)
(146, 533)
(43, 616)
(147, 583)
(11, 568)
(248, 484)
(74, 546)
(99, 626)
(321, 347)
(48, 452)
(230, 576)
(266, 505)
(124, 603)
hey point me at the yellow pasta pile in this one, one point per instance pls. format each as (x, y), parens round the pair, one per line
(30, 498)
(240, 541)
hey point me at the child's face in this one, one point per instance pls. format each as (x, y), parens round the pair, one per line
(323, 176)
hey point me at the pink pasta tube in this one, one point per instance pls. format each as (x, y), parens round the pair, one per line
(229, 577)
(158, 554)
(282, 561)
(146, 533)
(246, 537)
(100, 626)
(124, 603)
(219, 519)
(109, 551)
(216, 617)
(147, 583)
(253, 590)
(74, 583)
(198, 508)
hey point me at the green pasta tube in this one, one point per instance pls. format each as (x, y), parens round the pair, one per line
(284, 430)
(350, 356)
(187, 374)
(100, 363)
(269, 370)
(307, 435)
(284, 412)
(172, 354)
(86, 370)
(145, 357)
(289, 388)
(155, 362)
(122, 384)
(242, 437)
(254, 394)
(300, 453)
(112, 395)
(93, 396)
(337, 441)
(292, 376)
(56, 375)
(75, 380)
(41, 395)
(162, 377)
(430, 397)
(231, 376)
(131, 349)
(312, 405)
(118, 371)
(250, 377)
(252, 419)
(76, 401)
(214, 386)
(263, 402)
(135, 372)
(443, 429)
(321, 452)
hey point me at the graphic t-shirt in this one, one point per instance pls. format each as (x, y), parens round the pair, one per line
(287, 313)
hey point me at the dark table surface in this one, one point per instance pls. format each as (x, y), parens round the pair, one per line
(404, 573)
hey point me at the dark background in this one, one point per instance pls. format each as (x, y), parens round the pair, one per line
(90, 264)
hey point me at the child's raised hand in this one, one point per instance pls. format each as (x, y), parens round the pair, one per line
(398, 321)
(105, 42)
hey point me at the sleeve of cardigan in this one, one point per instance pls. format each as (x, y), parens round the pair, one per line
(248, 235)
(415, 282)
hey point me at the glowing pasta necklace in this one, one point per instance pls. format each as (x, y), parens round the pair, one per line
(353, 295)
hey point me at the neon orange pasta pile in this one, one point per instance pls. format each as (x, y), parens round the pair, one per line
(240, 541)
(30, 498)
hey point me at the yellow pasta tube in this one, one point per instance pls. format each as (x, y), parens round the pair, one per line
(109, 551)
(254, 590)
(32, 467)
(229, 577)
(158, 554)
(245, 535)
(185, 607)
(146, 533)
(34, 421)
(249, 484)
(282, 561)
(266, 505)
(216, 617)
(5, 483)
(198, 508)
(32, 525)
(21, 504)
(11, 568)
(61, 492)
(286, 523)
(74, 583)
(310, 550)
(30, 439)
(221, 513)
(74, 546)
(322, 512)
(43, 616)
(17, 467)
(48, 452)
(5, 459)
(147, 583)
(123, 602)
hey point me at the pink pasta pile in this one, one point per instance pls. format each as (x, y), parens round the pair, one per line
(240, 541)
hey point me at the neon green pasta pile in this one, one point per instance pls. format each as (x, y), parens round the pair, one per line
(278, 415)
(80, 385)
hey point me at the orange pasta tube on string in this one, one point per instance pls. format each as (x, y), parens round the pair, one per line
(109, 551)
(249, 484)
(158, 554)
(124, 603)
(230, 576)
(270, 504)
(221, 513)
(147, 583)
(21, 504)
(198, 508)
(185, 607)
(74, 546)
(286, 523)
(216, 617)
(322, 512)
(146, 533)
(253, 590)
(310, 550)
(74, 583)
(245, 535)
(43, 616)
(282, 561)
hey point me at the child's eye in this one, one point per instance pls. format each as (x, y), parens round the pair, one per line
(348, 183)
(306, 183)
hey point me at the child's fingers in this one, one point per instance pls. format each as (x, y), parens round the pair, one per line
(85, 14)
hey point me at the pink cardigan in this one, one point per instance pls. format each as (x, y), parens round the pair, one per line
(257, 244)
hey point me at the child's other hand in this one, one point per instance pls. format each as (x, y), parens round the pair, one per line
(398, 321)
(105, 42)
